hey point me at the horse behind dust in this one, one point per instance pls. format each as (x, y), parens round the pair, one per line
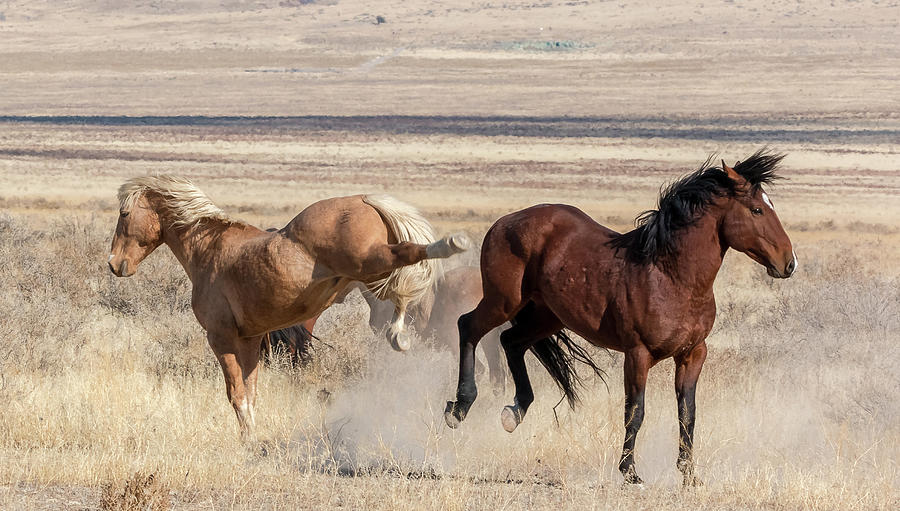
(647, 293)
(434, 316)
(246, 282)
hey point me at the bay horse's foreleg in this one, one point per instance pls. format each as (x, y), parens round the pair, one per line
(637, 363)
(687, 371)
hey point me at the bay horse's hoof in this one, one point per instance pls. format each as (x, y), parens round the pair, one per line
(510, 417)
(400, 341)
(450, 416)
(692, 481)
(632, 479)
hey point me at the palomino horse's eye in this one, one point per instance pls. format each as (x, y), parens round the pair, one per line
(124, 213)
(756, 211)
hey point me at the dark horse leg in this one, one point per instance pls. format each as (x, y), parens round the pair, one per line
(531, 324)
(472, 327)
(687, 371)
(637, 363)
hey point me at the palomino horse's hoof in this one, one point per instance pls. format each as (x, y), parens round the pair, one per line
(510, 417)
(460, 243)
(449, 417)
(400, 341)
(446, 247)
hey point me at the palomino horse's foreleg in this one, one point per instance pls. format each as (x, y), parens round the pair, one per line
(637, 363)
(687, 371)
(239, 367)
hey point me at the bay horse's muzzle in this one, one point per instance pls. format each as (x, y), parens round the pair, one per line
(789, 268)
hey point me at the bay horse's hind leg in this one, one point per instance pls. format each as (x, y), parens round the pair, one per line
(473, 325)
(531, 324)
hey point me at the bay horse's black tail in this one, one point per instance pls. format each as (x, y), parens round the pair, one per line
(293, 342)
(558, 353)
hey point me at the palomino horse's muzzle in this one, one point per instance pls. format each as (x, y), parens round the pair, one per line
(119, 271)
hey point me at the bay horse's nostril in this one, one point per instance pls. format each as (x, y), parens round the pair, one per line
(791, 267)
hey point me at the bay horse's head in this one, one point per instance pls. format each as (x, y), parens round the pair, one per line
(138, 233)
(148, 208)
(750, 224)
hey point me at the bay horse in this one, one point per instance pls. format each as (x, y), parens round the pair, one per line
(647, 293)
(247, 282)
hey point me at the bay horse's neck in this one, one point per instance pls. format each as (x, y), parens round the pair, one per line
(698, 254)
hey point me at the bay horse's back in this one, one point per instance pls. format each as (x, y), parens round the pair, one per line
(519, 246)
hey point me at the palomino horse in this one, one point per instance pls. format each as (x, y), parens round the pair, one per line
(246, 282)
(647, 293)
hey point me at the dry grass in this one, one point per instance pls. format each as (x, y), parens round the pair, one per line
(104, 379)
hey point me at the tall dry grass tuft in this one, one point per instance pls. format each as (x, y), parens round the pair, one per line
(140, 493)
(105, 378)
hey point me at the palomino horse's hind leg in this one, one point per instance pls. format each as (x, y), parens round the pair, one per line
(404, 254)
(637, 363)
(531, 324)
(687, 371)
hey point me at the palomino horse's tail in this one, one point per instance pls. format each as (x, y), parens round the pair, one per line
(409, 283)
(558, 353)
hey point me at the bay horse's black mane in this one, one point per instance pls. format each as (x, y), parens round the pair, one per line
(682, 202)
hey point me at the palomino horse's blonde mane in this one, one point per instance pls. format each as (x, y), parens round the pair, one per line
(187, 204)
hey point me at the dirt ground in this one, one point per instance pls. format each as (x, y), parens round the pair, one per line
(468, 111)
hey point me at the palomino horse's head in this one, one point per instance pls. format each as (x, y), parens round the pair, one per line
(138, 233)
(750, 225)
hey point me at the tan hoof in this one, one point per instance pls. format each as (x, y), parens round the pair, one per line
(460, 243)
(510, 417)
(449, 417)
(400, 341)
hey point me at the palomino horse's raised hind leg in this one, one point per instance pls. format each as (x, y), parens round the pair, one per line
(391, 257)
(687, 371)
(239, 360)
(637, 363)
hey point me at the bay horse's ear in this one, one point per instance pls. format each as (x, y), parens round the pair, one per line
(731, 172)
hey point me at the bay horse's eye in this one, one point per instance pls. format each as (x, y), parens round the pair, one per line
(756, 211)
(124, 213)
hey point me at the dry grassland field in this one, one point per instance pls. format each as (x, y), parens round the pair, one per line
(468, 110)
